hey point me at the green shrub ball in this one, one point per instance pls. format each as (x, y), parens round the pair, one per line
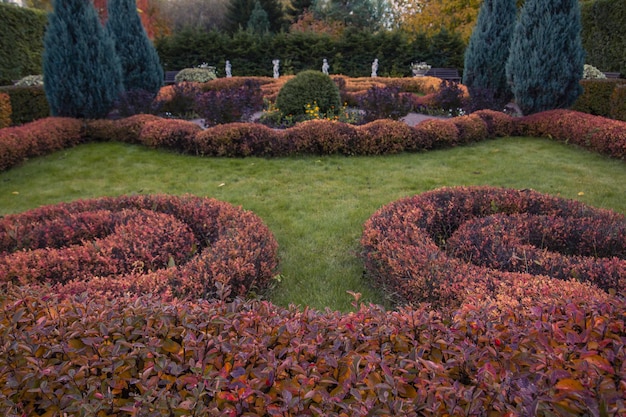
(308, 87)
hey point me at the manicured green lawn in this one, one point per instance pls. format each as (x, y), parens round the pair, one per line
(315, 206)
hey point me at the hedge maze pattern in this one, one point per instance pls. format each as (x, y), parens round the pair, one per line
(172, 247)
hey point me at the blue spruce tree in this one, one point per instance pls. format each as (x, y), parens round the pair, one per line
(546, 60)
(487, 53)
(82, 74)
(141, 67)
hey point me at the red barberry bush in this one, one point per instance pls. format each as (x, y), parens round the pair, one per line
(449, 244)
(183, 247)
(140, 357)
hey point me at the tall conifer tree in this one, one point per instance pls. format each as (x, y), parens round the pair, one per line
(141, 68)
(82, 74)
(547, 58)
(258, 23)
(488, 51)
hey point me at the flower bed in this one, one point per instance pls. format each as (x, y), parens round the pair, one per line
(450, 244)
(173, 247)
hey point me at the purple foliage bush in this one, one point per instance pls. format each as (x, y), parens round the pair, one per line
(218, 106)
(384, 103)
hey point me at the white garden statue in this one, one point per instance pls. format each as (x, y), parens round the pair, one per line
(325, 66)
(276, 63)
(374, 68)
(228, 70)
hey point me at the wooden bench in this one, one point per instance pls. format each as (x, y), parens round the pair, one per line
(169, 77)
(444, 73)
(611, 74)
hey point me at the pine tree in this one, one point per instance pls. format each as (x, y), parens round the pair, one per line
(546, 60)
(141, 68)
(258, 22)
(488, 51)
(239, 12)
(82, 74)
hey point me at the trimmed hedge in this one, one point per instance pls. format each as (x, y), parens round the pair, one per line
(451, 244)
(595, 133)
(140, 357)
(313, 137)
(171, 247)
(604, 34)
(21, 43)
(28, 103)
(596, 96)
(5, 110)
(38, 138)
(618, 103)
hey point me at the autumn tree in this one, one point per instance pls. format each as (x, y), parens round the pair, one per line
(149, 11)
(296, 8)
(82, 74)
(454, 15)
(546, 60)
(487, 53)
(141, 68)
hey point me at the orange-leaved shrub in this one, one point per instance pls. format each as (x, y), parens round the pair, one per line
(498, 124)
(140, 357)
(5, 110)
(437, 133)
(238, 140)
(595, 133)
(169, 246)
(168, 133)
(472, 128)
(37, 138)
(410, 247)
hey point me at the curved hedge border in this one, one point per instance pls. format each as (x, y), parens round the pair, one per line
(172, 247)
(449, 244)
(315, 137)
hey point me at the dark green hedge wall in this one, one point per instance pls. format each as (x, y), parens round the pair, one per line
(351, 54)
(21, 43)
(604, 34)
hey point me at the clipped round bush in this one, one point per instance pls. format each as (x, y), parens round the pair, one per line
(451, 244)
(591, 72)
(30, 80)
(172, 247)
(308, 87)
(198, 75)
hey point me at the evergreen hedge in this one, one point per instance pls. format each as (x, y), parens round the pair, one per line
(21, 43)
(351, 54)
(604, 34)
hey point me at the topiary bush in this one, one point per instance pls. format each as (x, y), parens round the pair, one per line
(308, 87)
(449, 244)
(197, 75)
(184, 247)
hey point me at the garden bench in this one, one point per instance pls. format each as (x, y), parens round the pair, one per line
(170, 77)
(444, 73)
(611, 74)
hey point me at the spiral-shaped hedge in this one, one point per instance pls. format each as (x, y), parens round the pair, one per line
(518, 246)
(173, 247)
